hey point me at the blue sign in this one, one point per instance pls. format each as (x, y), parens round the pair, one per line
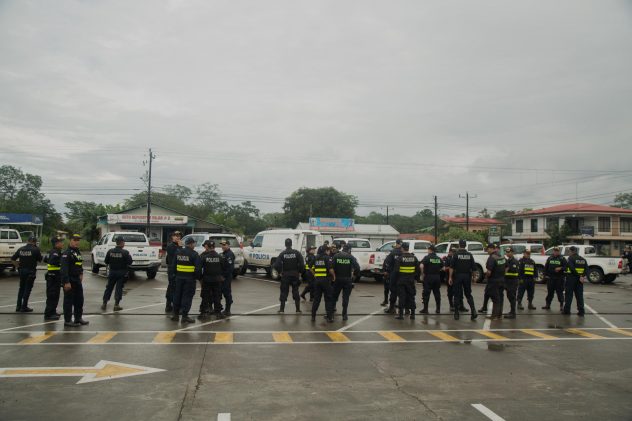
(21, 218)
(332, 224)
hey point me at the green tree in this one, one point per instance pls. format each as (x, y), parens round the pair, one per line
(179, 191)
(484, 213)
(505, 216)
(458, 233)
(82, 217)
(20, 193)
(162, 199)
(557, 235)
(623, 200)
(274, 220)
(324, 201)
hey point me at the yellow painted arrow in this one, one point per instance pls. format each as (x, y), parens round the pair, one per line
(103, 370)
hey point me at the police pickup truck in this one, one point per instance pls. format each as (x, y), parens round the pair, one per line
(217, 238)
(601, 269)
(360, 249)
(267, 245)
(10, 242)
(145, 257)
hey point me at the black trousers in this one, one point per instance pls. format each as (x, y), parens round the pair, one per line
(227, 289)
(183, 297)
(27, 279)
(463, 286)
(432, 284)
(323, 290)
(528, 285)
(554, 286)
(308, 277)
(73, 301)
(406, 292)
(511, 288)
(171, 286)
(345, 286)
(288, 281)
(211, 296)
(493, 291)
(116, 279)
(392, 285)
(574, 287)
(53, 289)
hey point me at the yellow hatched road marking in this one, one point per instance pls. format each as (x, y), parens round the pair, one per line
(621, 331)
(101, 338)
(36, 338)
(584, 334)
(492, 335)
(392, 336)
(337, 337)
(443, 336)
(224, 338)
(537, 334)
(164, 337)
(282, 337)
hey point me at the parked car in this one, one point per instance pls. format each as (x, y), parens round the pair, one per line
(233, 241)
(145, 257)
(360, 249)
(519, 248)
(10, 242)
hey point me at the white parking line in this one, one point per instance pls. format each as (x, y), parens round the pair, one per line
(368, 316)
(31, 302)
(223, 416)
(603, 319)
(487, 412)
(487, 324)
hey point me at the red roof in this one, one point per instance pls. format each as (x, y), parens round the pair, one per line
(415, 236)
(474, 221)
(577, 208)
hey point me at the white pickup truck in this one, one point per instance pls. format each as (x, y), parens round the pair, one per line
(10, 241)
(601, 269)
(145, 258)
(360, 249)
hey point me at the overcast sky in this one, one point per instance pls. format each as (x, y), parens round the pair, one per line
(523, 104)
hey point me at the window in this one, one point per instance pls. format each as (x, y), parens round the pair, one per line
(258, 241)
(387, 247)
(589, 250)
(604, 224)
(552, 223)
(4, 235)
(626, 225)
(232, 241)
(537, 249)
(475, 247)
(132, 238)
(534, 225)
(422, 245)
(442, 248)
(519, 225)
(359, 244)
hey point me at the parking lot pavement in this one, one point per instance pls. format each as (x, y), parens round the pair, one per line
(138, 364)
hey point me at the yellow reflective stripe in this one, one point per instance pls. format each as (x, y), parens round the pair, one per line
(78, 263)
(406, 270)
(579, 271)
(529, 271)
(185, 268)
(317, 270)
(51, 268)
(511, 274)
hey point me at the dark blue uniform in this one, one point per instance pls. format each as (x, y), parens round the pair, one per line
(53, 282)
(407, 269)
(213, 268)
(433, 266)
(290, 264)
(322, 286)
(344, 265)
(554, 271)
(493, 289)
(576, 269)
(28, 256)
(391, 277)
(308, 277)
(172, 249)
(527, 281)
(71, 273)
(118, 259)
(186, 266)
(463, 266)
(512, 274)
(227, 288)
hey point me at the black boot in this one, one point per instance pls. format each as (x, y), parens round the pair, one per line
(227, 312)
(297, 304)
(385, 302)
(390, 310)
(531, 306)
(547, 306)
(520, 306)
(438, 310)
(187, 319)
(400, 315)
(456, 314)
(281, 307)
(424, 310)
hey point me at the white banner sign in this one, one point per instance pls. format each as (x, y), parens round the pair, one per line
(122, 218)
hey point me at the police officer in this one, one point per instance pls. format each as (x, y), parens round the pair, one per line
(462, 267)
(72, 280)
(53, 279)
(322, 284)
(391, 275)
(343, 268)
(213, 267)
(512, 274)
(406, 269)
(172, 249)
(290, 264)
(227, 289)
(627, 255)
(322, 249)
(431, 267)
(576, 269)
(26, 259)
(445, 274)
(118, 259)
(495, 275)
(554, 271)
(186, 265)
(308, 276)
(527, 279)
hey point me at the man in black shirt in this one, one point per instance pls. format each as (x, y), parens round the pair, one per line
(213, 267)
(391, 276)
(407, 268)
(118, 259)
(527, 279)
(187, 267)
(290, 264)
(431, 266)
(27, 258)
(72, 280)
(576, 269)
(172, 249)
(495, 278)
(343, 267)
(462, 267)
(308, 276)
(53, 279)
(554, 271)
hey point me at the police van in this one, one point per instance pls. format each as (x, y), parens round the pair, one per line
(267, 245)
(217, 238)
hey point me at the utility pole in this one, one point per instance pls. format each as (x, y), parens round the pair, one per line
(436, 221)
(151, 158)
(467, 198)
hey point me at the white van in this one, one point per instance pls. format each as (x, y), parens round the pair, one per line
(233, 242)
(267, 245)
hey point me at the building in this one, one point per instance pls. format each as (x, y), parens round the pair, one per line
(24, 222)
(332, 228)
(606, 227)
(417, 236)
(163, 222)
(476, 224)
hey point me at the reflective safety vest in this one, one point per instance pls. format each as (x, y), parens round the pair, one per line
(407, 265)
(320, 267)
(52, 268)
(79, 261)
(529, 270)
(580, 271)
(185, 268)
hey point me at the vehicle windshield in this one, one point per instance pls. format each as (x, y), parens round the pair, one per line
(232, 241)
(387, 247)
(442, 248)
(131, 238)
(358, 244)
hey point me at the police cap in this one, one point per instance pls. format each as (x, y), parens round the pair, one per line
(189, 240)
(406, 246)
(288, 242)
(32, 239)
(491, 246)
(508, 250)
(209, 244)
(75, 237)
(346, 248)
(55, 240)
(176, 233)
(432, 248)
(120, 239)
(573, 248)
(398, 241)
(462, 243)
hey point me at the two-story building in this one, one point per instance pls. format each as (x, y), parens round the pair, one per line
(606, 227)
(476, 224)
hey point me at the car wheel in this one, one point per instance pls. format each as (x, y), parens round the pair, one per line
(268, 272)
(477, 275)
(595, 275)
(151, 273)
(95, 267)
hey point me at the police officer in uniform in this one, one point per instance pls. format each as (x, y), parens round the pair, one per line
(322, 249)
(72, 279)
(391, 275)
(343, 268)
(527, 279)
(406, 269)
(445, 274)
(462, 267)
(118, 259)
(172, 249)
(186, 266)
(495, 275)
(576, 269)
(308, 276)
(213, 267)
(554, 271)
(27, 257)
(627, 255)
(512, 275)
(322, 285)
(227, 288)
(431, 266)
(53, 279)
(290, 264)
